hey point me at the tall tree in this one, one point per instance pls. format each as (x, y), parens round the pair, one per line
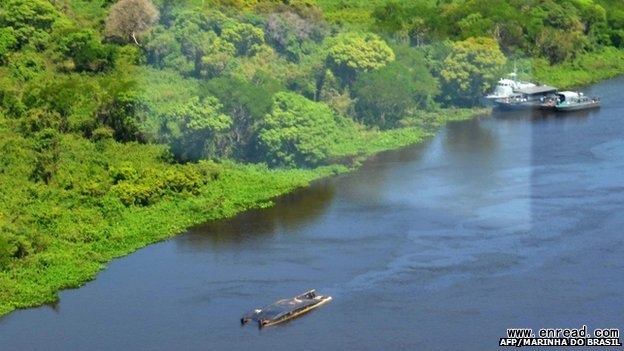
(129, 18)
(351, 53)
(194, 129)
(406, 21)
(386, 95)
(470, 70)
(297, 131)
(31, 20)
(246, 103)
(86, 51)
(558, 45)
(163, 50)
(245, 37)
(289, 33)
(197, 35)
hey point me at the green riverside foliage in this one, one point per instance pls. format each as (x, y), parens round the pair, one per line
(470, 67)
(297, 131)
(387, 95)
(119, 128)
(351, 53)
(583, 70)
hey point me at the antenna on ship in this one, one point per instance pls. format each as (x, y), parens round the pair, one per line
(514, 74)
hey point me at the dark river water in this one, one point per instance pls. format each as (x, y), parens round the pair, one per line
(507, 221)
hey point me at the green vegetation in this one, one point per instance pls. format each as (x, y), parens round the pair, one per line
(469, 69)
(122, 122)
(588, 68)
(561, 36)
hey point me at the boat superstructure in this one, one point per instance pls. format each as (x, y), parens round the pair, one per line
(507, 87)
(527, 98)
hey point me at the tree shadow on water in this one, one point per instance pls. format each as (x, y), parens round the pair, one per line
(290, 212)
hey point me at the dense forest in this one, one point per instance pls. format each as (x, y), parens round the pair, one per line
(123, 122)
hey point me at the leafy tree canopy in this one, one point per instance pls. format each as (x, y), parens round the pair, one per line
(31, 20)
(393, 92)
(297, 131)
(129, 18)
(471, 68)
(352, 52)
(194, 129)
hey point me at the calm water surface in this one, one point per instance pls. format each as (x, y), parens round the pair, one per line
(510, 221)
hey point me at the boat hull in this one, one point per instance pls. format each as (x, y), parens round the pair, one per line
(530, 98)
(516, 106)
(296, 314)
(286, 309)
(571, 101)
(577, 107)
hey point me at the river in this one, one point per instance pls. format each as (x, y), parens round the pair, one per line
(506, 221)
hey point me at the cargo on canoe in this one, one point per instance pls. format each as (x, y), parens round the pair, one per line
(286, 309)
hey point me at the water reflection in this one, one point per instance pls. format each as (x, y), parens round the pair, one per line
(470, 137)
(473, 149)
(576, 116)
(369, 187)
(54, 306)
(290, 212)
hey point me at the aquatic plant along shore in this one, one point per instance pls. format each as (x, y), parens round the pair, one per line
(124, 122)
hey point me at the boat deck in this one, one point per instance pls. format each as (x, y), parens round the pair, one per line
(286, 309)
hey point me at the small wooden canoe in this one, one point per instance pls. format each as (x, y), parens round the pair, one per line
(286, 309)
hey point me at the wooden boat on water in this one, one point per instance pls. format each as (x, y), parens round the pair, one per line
(571, 101)
(286, 309)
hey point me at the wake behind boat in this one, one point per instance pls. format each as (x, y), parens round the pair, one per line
(286, 309)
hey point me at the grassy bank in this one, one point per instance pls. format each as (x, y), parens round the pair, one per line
(85, 233)
(583, 70)
(65, 264)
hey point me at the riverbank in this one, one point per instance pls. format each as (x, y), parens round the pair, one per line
(69, 262)
(37, 279)
(421, 236)
(583, 70)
